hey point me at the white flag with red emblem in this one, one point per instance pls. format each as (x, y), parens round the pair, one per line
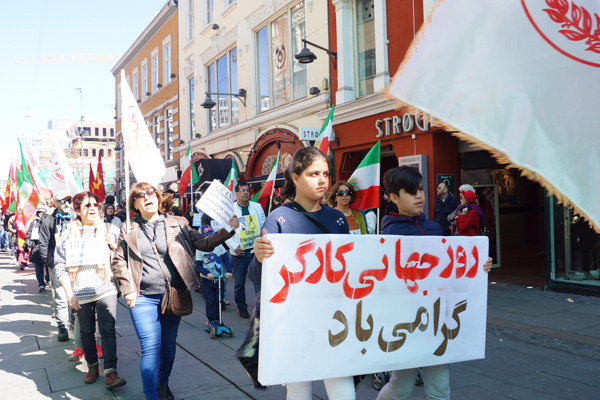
(519, 78)
(144, 157)
(62, 175)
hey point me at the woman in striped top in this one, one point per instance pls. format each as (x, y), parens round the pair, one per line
(82, 262)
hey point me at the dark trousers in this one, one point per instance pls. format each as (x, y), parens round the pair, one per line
(106, 309)
(240, 271)
(210, 292)
(41, 274)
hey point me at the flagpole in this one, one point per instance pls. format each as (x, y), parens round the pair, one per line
(191, 183)
(377, 230)
(274, 181)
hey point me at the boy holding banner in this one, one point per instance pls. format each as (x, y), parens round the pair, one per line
(405, 188)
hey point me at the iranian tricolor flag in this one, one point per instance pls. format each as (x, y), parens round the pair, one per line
(232, 178)
(324, 137)
(28, 196)
(365, 180)
(267, 189)
(190, 173)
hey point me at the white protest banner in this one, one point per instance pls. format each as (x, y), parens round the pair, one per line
(347, 305)
(85, 251)
(217, 202)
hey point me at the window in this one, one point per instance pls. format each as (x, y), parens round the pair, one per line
(192, 115)
(136, 86)
(365, 46)
(95, 131)
(93, 152)
(189, 21)
(281, 78)
(101, 152)
(85, 152)
(103, 131)
(223, 78)
(157, 130)
(112, 132)
(169, 134)
(207, 12)
(155, 75)
(109, 152)
(37, 143)
(167, 58)
(145, 90)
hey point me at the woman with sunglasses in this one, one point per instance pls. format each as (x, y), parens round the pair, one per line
(158, 245)
(89, 287)
(341, 196)
(306, 181)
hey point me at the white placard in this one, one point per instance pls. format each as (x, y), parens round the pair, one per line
(85, 251)
(418, 301)
(309, 133)
(217, 202)
(197, 220)
(35, 233)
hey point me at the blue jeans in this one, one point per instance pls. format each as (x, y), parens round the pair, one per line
(157, 334)
(2, 239)
(435, 378)
(240, 271)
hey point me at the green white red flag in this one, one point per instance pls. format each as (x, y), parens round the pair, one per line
(267, 190)
(29, 199)
(189, 174)
(324, 137)
(232, 179)
(365, 180)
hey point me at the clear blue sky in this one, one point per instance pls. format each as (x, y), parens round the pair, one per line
(61, 27)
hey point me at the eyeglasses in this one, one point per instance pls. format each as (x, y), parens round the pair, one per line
(90, 205)
(63, 201)
(343, 193)
(148, 193)
(245, 190)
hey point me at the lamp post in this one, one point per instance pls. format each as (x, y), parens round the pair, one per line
(80, 131)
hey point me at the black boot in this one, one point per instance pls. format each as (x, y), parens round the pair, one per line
(164, 393)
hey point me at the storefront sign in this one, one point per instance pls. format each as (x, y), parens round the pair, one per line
(402, 124)
(345, 305)
(308, 133)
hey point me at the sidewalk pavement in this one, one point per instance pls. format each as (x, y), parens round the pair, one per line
(540, 345)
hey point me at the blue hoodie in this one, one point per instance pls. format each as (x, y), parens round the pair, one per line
(397, 224)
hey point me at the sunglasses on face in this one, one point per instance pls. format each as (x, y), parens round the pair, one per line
(90, 205)
(343, 193)
(63, 201)
(148, 193)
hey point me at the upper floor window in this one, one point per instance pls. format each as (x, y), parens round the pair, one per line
(103, 131)
(207, 12)
(155, 76)
(112, 132)
(281, 78)
(157, 130)
(96, 132)
(169, 134)
(145, 91)
(167, 58)
(189, 21)
(136, 87)
(365, 46)
(93, 152)
(192, 99)
(223, 78)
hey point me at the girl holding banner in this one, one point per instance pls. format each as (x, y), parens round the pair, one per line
(82, 262)
(306, 181)
(157, 249)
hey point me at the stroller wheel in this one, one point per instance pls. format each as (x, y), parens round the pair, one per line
(379, 379)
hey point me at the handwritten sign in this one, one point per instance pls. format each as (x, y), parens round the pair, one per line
(248, 231)
(85, 251)
(217, 202)
(344, 305)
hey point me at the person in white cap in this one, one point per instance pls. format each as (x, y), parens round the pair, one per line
(51, 228)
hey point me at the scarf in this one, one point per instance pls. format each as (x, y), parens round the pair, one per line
(103, 269)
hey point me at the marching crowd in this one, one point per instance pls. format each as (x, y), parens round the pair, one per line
(87, 254)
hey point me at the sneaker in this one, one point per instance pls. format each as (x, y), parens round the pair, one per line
(113, 380)
(92, 374)
(76, 356)
(42, 289)
(244, 313)
(63, 334)
(99, 350)
(226, 302)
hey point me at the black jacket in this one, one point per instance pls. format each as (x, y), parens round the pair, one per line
(443, 208)
(50, 226)
(34, 245)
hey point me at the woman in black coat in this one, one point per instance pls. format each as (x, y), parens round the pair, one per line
(32, 242)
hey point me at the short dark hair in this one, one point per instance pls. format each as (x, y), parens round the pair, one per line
(404, 177)
(301, 160)
(445, 184)
(240, 183)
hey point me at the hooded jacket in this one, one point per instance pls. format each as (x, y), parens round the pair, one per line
(397, 224)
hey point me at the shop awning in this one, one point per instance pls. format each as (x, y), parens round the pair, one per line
(258, 181)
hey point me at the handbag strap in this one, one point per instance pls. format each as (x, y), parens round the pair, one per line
(297, 207)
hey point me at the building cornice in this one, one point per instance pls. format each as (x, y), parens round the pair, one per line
(219, 41)
(364, 107)
(163, 16)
